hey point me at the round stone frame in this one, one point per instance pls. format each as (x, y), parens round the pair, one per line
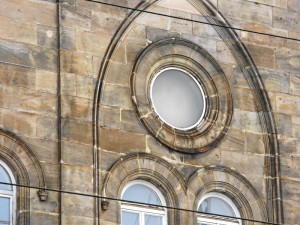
(195, 60)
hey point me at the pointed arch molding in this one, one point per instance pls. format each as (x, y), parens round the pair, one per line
(251, 74)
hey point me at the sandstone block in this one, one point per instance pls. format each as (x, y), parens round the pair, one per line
(85, 87)
(110, 117)
(46, 127)
(67, 38)
(119, 141)
(47, 36)
(28, 55)
(74, 107)
(262, 56)
(78, 131)
(46, 81)
(117, 96)
(74, 62)
(77, 154)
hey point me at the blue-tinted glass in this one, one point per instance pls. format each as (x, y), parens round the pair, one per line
(141, 193)
(4, 209)
(216, 206)
(4, 177)
(153, 220)
(130, 218)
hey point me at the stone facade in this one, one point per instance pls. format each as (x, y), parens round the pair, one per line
(74, 113)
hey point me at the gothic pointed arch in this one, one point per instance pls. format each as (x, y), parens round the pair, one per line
(251, 75)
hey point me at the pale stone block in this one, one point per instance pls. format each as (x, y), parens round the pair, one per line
(10, 30)
(287, 59)
(91, 43)
(246, 10)
(287, 20)
(153, 20)
(46, 81)
(85, 87)
(68, 83)
(287, 104)
(180, 25)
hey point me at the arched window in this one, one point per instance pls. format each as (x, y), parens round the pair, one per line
(7, 196)
(138, 214)
(219, 204)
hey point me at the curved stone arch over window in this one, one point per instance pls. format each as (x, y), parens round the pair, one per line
(145, 193)
(149, 168)
(7, 196)
(218, 204)
(228, 182)
(26, 170)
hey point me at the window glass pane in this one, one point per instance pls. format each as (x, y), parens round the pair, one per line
(177, 98)
(130, 218)
(216, 206)
(4, 209)
(4, 177)
(153, 220)
(141, 193)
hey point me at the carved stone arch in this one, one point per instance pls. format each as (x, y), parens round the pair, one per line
(143, 166)
(232, 184)
(251, 74)
(26, 170)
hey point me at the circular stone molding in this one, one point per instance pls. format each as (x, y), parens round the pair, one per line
(192, 64)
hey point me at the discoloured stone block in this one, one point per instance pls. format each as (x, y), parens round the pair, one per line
(287, 104)
(262, 56)
(67, 38)
(79, 108)
(284, 124)
(78, 131)
(47, 36)
(117, 96)
(288, 60)
(18, 53)
(17, 76)
(110, 117)
(73, 62)
(119, 141)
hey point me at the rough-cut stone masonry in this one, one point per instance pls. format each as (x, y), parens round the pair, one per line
(55, 63)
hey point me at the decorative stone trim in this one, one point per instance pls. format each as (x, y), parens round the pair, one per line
(26, 169)
(143, 166)
(232, 184)
(196, 61)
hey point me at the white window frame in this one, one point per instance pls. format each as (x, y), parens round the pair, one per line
(10, 194)
(141, 209)
(218, 220)
(197, 83)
